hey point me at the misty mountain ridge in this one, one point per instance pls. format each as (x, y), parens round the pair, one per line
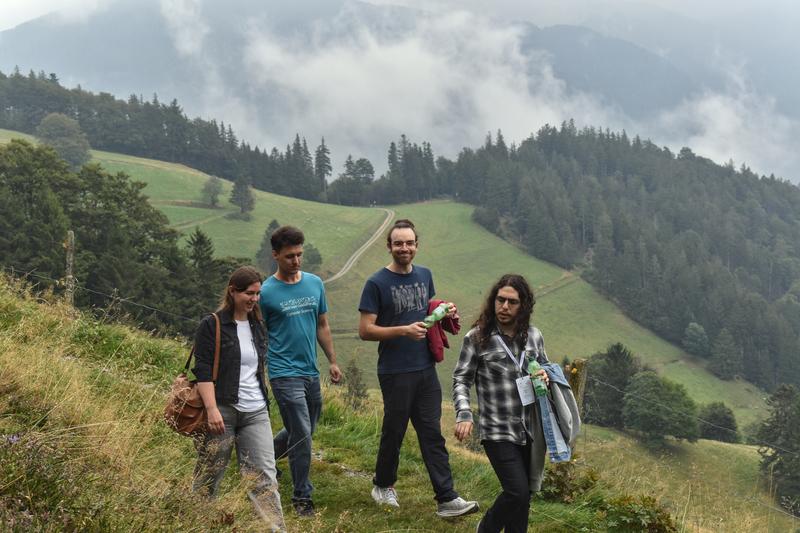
(145, 59)
(360, 74)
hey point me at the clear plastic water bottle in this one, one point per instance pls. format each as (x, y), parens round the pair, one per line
(439, 313)
(539, 387)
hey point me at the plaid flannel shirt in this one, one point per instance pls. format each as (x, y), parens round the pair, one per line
(502, 415)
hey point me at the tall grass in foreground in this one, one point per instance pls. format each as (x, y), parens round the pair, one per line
(83, 448)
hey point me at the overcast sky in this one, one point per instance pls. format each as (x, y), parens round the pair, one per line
(14, 12)
(367, 111)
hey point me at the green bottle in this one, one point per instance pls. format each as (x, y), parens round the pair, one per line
(438, 314)
(539, 387)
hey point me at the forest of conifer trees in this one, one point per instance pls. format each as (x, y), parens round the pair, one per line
(706, 255)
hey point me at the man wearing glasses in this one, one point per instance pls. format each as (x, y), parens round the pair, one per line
(393, 303)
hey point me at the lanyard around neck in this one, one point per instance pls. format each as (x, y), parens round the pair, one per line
(510, 354)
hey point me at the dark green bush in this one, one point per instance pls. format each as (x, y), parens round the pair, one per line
(563, 482)
(635, 514)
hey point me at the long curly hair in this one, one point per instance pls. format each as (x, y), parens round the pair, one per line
(487, 321)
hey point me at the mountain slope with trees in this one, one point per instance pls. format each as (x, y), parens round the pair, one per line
(692, 249)
(153, 129)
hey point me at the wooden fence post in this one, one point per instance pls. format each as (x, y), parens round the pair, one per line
(576, 375)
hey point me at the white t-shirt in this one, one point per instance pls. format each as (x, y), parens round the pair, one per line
(251, 398)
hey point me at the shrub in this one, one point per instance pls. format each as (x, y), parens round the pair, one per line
(636, 513)
(563, 483)
(718, 423)
(356, 390)
(608, 375)
(658, 407)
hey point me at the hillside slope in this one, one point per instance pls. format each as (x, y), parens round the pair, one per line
(175, 189)
(575, 319)
(83, 447)
(465, 258)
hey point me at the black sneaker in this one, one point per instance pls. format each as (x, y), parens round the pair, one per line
(303, 507)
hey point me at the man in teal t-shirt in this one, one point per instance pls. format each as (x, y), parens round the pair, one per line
(295, 312)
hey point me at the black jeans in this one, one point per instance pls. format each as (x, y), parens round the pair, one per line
(416, 396)
(511, 463)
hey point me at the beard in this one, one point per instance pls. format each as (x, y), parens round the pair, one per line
(403, 258)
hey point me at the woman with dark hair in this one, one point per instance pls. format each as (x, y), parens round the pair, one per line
(495, 357)
(237, 402)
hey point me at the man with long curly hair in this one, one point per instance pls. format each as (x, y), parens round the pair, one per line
(495, 357)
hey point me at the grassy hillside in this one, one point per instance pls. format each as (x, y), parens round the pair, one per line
(709, 485)
(466, 259)
(176, 190)
(576, 321)
(83, 447)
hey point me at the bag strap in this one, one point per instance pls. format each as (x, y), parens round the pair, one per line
(216, 351)
(215, 371)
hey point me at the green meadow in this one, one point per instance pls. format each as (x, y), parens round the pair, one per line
(83, 447)
(175, 189)
(574, 318)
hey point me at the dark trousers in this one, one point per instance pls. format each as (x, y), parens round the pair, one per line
(511, 463)
(415, 396)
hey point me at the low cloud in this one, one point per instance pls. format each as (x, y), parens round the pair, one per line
(449, 79)
(185, 21)
(14, 12)
(738, 125)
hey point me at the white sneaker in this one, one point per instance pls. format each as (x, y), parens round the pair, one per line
(456, 507)
(387, 496)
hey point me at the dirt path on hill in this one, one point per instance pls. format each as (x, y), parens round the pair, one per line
(199, 221)
(567, 278)
(358, 253)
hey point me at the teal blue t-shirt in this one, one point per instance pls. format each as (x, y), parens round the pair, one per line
(291, 312)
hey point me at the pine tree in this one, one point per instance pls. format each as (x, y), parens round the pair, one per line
(242, 196)
(201, 251)
(726, 359)
(779, 438)
(322, 165)
(208, 276)
(695, 340)
(312, 259)
(264, 259)
(609, 374)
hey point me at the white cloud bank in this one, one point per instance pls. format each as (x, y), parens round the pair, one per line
(451, 80)
(458, 76)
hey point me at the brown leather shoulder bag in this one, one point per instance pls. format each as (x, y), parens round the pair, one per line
(185, 412)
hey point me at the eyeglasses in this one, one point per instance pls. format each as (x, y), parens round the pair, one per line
(408, 244)
(503, 300)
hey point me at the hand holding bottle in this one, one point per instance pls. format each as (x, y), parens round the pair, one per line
(539, 378)
(439, 313)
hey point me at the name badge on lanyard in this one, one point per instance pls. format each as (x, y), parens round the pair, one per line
(524, 384)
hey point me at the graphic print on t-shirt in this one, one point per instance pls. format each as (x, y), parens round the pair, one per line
(410, 297)
(298, 306)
